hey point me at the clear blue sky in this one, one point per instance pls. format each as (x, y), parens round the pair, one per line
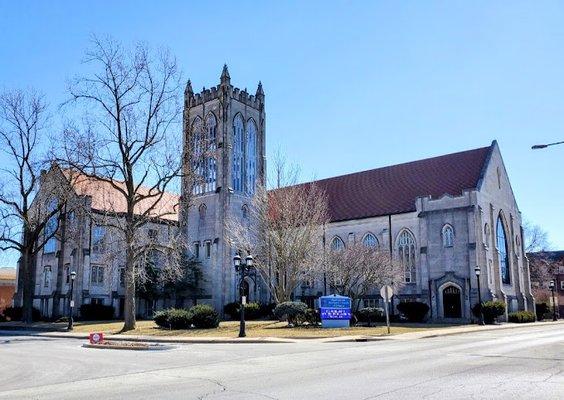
(349, 85)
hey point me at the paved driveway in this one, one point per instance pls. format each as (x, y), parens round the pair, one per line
(523, 363)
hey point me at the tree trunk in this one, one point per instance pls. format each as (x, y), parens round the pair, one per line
(60, 269)
(28, 264)
(129, 308)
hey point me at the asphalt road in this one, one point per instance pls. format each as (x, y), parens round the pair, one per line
(523, 363)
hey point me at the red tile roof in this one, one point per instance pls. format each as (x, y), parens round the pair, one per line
(394, 189)
(105, 198)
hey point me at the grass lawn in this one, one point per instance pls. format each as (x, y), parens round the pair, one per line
(254, 329)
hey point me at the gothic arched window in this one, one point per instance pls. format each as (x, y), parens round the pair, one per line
(337, 244)
(238, 164)
(369, 240)
(406, 252)
(448, 236)
(501, 243)
(211, 164)
(198, 156)
(251, 156)
(50, 245)
(202, 212)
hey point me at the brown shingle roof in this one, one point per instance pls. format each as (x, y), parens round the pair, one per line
(105, 198)
(394, 189)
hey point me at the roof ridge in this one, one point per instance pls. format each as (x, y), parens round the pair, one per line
(391, 166)
(102, 178)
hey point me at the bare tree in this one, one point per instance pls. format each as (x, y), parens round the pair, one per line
(543, 267)
(131, 106)
(536, 238)
(358, 269)
(29, 213)
(283, 232)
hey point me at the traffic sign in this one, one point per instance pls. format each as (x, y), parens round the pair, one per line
(386, 292)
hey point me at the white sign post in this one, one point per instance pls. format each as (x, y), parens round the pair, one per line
(386, 292)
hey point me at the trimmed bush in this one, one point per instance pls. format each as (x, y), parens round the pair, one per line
(490, 309)
(232, 310)
(204, 316)
(292, 311)
(521, 317)
(544, 311)
(252, 311)
(96, 312)
(267, 310)
(312, 317)
(15, 314)
(370, 314)
(173, 318)
(414, 311)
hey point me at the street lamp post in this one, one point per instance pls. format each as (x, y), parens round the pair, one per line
(552, 285)
(243, 269)
(71, 303)
(478, 271)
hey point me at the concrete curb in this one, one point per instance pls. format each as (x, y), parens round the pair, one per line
(272, 340)
(150, 339)
(147, 347)
(472, 329)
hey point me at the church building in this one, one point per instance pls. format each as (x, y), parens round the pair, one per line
(440, 217)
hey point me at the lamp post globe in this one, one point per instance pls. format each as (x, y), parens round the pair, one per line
(237, 261)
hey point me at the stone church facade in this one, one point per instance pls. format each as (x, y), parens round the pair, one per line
(440, 217)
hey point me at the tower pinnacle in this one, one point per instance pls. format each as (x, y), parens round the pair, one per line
(260, 92)
(188, 91)
(225, 78)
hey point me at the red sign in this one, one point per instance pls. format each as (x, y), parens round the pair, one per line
(95, 338)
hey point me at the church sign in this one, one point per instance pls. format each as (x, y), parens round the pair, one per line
(335, 311)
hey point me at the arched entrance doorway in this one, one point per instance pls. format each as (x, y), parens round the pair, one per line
(452, 306)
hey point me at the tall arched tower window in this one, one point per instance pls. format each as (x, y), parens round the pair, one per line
(198, 156)
(251, 156)
(406, 252)
(211, 163)
(238, 159)
(501, 243)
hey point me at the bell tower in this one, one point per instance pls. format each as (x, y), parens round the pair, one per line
(223, 163)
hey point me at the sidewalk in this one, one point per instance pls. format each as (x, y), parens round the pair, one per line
(431, 333)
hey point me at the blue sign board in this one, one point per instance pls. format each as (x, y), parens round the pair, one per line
(335, 311)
